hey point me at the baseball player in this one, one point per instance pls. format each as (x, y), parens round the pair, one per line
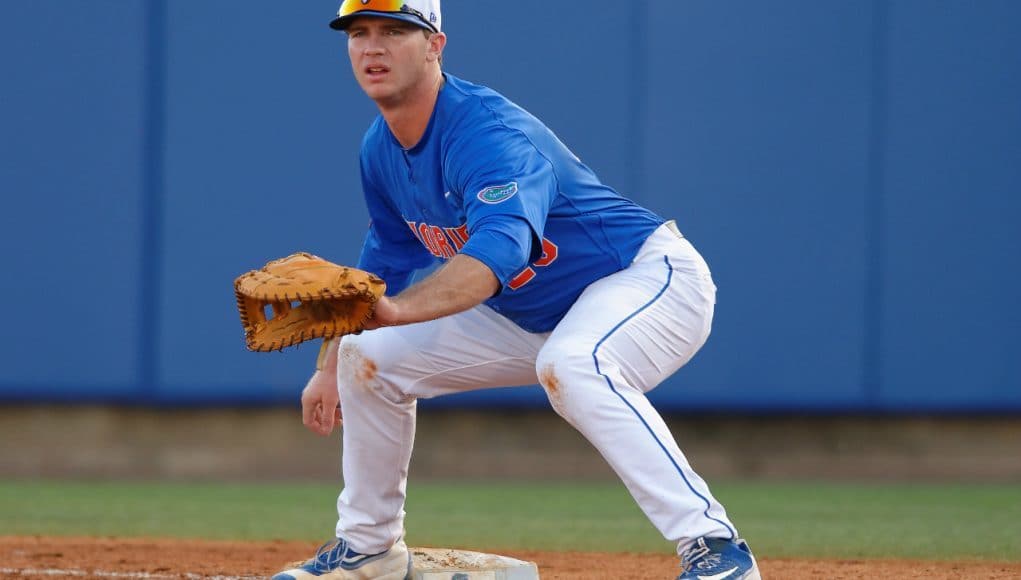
(548, 277)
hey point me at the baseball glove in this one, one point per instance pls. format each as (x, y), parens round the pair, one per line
(308, 298)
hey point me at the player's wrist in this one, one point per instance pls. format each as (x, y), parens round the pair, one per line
(388, 312)
(325, 350)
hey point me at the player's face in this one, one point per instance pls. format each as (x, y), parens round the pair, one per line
(390, 58)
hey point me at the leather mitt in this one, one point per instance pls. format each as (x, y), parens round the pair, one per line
(304, 297)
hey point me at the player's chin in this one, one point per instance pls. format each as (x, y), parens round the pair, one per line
(375, 89)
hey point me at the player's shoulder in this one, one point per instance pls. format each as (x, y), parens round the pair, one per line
(468, 105)
(462, 92)
(477, 114)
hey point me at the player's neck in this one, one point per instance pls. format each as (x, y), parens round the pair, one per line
(409, 118)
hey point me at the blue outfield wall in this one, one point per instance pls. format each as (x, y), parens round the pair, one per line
(850, 169)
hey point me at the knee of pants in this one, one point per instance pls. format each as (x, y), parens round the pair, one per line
(366, 367)
(569, 378)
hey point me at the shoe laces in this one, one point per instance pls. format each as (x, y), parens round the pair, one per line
(698, 555)
(329, 555)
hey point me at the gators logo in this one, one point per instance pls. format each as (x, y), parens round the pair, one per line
(498, 193)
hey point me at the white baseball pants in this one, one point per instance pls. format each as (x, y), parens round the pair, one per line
(624, 335)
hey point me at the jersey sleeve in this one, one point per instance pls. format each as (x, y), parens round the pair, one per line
(390, 250)
(508, 187)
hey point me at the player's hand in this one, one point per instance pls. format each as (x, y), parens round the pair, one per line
(385, 313)
(320, 410)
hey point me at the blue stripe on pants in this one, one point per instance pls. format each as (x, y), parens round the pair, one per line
(595, 358)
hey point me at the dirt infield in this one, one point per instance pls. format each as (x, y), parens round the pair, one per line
(47, 557)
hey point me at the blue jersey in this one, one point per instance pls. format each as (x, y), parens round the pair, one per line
(489, 180)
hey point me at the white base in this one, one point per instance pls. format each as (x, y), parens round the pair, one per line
(446, 564)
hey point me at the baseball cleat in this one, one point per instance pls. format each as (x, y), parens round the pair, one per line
(336, 560)
(718, 559)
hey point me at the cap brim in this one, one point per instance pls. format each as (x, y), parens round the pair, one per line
(341, 23)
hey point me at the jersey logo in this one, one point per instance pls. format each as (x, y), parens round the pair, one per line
(498, 193)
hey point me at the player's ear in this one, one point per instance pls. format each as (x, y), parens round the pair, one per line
(437, 42)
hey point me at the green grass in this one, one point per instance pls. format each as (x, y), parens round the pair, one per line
(779, 520)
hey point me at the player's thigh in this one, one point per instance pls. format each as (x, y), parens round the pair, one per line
(474, 349)
(645, 321)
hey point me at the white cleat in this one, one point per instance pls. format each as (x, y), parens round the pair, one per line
(336, 560)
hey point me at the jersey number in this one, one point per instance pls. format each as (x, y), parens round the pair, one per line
(549, 255)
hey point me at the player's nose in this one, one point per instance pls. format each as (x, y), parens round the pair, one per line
(373, 46)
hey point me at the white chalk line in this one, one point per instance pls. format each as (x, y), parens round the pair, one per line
(106, 574)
